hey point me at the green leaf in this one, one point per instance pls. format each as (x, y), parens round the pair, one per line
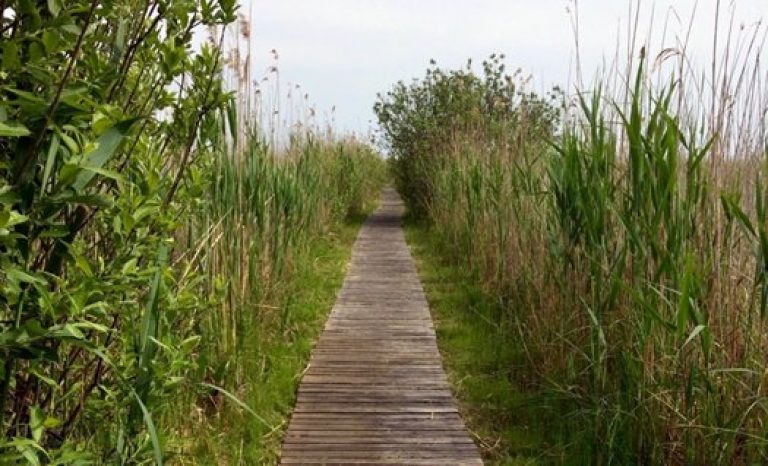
(151, 319)
(15, 219)
(93, 200)
(104, 172)
(88, 325)
(54, 384)
(51, 422)
(36, 51)
(31, 457)
(129, 268)
(122, 29)
(24, 277)
(72, 29)
(151, 430)
(68, 141)
(50, 41)
(97, 158)
(54, 6)
(67, 174)
(49, 162)
(8, 196)
(144, 211)
(28, 448)
(11, 218)
(36, 419)
(55, 231)
(698, 329)
(67, 331)
(732, 210)
(13, 129)
(82, 264)
(190, 343)
(11, 60)
(26, 96)
(34, 328)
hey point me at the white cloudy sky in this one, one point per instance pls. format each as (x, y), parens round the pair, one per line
(343, 52)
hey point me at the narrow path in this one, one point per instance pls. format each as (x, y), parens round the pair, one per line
(375, 391)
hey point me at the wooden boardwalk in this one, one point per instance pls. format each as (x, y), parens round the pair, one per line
(375, 391)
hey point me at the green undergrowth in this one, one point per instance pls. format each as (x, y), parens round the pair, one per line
(504, 418)
(278, 362)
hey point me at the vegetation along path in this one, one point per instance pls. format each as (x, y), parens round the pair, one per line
(375, 390)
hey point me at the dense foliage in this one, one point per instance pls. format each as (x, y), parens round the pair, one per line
(624, 247)
(130, 226)
(421, 120)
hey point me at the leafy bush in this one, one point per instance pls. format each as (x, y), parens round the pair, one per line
(423, 120)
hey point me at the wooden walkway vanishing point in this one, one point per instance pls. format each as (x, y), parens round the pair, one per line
(375, 391)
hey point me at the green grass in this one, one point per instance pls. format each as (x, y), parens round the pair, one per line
(277, 364)
(480, 359)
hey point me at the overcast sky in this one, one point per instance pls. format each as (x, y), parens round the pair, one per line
(342, 52)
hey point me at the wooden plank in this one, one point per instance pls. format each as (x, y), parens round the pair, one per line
(375, 391)
(383, 462)
(447, 452)
(342, 437)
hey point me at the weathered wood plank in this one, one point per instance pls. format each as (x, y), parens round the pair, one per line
(375, 391)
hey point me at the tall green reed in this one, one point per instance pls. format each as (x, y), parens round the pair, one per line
(621, 256)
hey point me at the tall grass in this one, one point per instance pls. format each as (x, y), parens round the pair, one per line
(262, 210)
(250, 238)
(627, 246)
(270, 190)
